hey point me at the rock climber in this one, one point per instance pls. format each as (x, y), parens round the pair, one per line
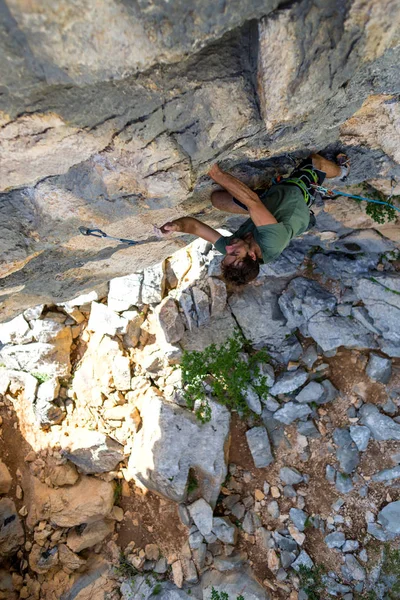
(276, 215)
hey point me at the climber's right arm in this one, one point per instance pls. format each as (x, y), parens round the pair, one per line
(192, 226)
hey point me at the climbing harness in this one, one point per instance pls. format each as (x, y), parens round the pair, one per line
(101, 234)
(334, 193)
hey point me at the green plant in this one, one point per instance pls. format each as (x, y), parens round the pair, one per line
(41, 377)
(227, 374)
(192, 484)
(222, 595)
(156, 589)
(117, 491)
(2, 365)
(379, 212)
(311, 581)
(125, 568)
(391, 567)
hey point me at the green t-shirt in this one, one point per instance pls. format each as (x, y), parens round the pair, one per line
(287, 204)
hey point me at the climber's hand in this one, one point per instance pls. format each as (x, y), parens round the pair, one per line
(172, 226)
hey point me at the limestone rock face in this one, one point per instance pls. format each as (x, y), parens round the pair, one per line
(93, 132)
(172, 441)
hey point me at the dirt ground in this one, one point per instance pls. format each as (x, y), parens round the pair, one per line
(347, 373)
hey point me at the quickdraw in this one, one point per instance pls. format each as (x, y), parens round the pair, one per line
(101, 234)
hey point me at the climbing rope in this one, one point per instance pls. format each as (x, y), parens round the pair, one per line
(101, 234)
(333, 193)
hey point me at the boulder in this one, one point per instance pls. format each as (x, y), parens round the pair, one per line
(353, 568)
(144, 586)
(96, 583)
(389, 518)
(12, 535)
(233, 584)
(290, 476)
(5, 479)
(216, 331)
(69, 559)
(381, 426)
(63, 475)
(16, 331)
(125, 292)
(379, 368)
(46, 330)
(201, 305)
(347, 452)
(48, 413)
(225, 530)
(121, 372)
(95, 375)
(252, 399)
(89, 535)
(335, 540)
(41, 561)
(303, 299)
(381, 297)
(360, 435)
(170, 320)
(93, 451)
(87, 501)
(260, 447)
(303, 560)
(202, 515)
(255, 305)
(312, 392)
(172, 441)
(292, 411)
(153, 284)
(289, 382)
(331, 332)
(51, 359)
(218, 296)
(105, 321)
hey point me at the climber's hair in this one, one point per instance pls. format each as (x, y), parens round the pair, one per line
(242, 273)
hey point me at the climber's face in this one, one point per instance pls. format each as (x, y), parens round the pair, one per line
(238, 249)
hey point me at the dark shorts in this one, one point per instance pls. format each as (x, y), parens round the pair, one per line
(303, 177)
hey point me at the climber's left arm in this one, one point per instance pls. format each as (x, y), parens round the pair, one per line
(192, 226)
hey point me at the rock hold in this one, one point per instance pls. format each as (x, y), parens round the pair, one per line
(303, 299)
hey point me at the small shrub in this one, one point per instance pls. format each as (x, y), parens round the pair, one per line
(380, 213)
(125, 568)
(41, 377)
(222, 595)
(391, 568)
(156, 589)
(117, 491)
(311, 581)
(227, 373)
(192, 484)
